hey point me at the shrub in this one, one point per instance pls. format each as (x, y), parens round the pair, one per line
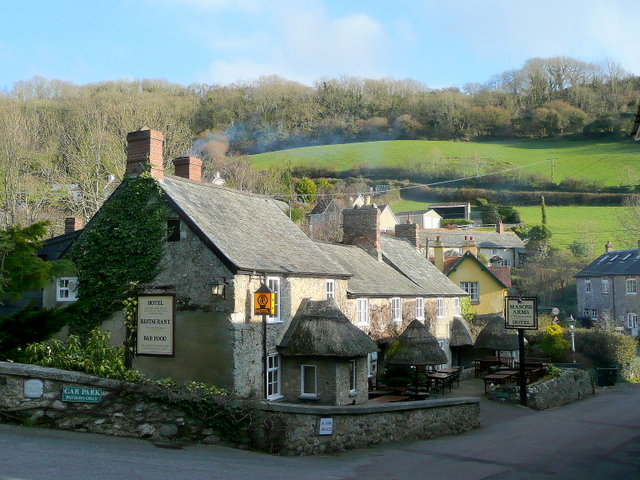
(94, 356)
(552, 343)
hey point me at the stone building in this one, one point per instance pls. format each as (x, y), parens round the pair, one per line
(607, 289)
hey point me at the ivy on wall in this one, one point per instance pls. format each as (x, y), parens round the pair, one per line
(122, 244)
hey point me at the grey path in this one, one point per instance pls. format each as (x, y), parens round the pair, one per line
(597, 438)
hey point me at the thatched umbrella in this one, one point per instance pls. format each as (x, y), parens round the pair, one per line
(414, 347)
(495, 335)
(320, 328)
(460, 335)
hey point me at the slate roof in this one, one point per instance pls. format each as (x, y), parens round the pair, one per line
(616, 262)
(402, 256)
(455, 238)
(248, 232)
(371, 278)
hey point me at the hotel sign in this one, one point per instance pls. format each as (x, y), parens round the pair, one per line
(156, 325)
(521, 312)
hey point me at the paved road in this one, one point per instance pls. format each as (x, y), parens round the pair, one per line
(597, 438)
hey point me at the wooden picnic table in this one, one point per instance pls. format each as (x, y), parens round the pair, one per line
(388, 399)
(498, 378)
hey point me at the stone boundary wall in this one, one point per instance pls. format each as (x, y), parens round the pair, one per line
(33, 395)
(569, 387)
(288, 429)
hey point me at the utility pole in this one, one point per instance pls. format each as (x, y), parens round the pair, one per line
(553, 170)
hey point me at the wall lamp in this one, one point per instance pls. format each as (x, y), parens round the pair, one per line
(218, 287)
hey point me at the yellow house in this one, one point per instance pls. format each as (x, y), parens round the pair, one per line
(486, 290)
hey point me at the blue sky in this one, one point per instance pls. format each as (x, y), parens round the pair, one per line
(441, 43)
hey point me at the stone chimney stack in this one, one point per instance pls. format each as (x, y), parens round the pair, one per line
(409, 231)
(470, 245)
(144, 153)
(188, 167)
(500, 227)
(608, 247)
(71, 224)
(438, 250)
(361, 227)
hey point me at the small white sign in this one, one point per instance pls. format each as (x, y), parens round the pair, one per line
(33, 388)
(325, 426)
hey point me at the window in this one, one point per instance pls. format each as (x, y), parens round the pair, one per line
(372, 361)
(420, 308)
(594, 313)
(273, 377)
(363, 311)
(67, 289)
(632, 320)
(605, 286)
(440, 310)
(632, 286)
(173, 230)
(352, 376)
(331, 289)
(274, 285)
(308, 381)
(585, 312)
(472, 289)
(587, 286)
(396, 310)
(456, 306)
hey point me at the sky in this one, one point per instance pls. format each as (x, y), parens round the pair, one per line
(440, 43)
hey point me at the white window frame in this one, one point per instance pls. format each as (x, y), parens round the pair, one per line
(605, 286)
(312, 393)
(330, 289)
(362, 311)
(631, 286)
(419, 308)
(456, 306)
(440, 308)
(274, 284)
(472, 289)
(396, 309)
(594, 313)
(585, 312)
(632, 320)
(353, 376)
(274, 377)
(587, 286)
(67, 289)
(371, 359)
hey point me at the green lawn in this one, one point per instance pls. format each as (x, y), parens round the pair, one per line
(613, 162)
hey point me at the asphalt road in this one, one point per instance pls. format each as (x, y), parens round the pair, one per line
(596, 438)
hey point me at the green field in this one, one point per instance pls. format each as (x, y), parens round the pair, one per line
(612, 162)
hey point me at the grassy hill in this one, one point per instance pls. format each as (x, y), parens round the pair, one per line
(611, 162)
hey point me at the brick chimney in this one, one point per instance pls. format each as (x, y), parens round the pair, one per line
(438, 251)
(71, 224)
(500, 227)
(144, 153)
(608, 247)
(361, 227)
(470, 245)
(409, 231)
(188, 167)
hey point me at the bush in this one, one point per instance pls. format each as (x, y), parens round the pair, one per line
(94, 356)
(552, 343)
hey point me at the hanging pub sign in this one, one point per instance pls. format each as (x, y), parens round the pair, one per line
(156, 325)
(521, 312)
(264, 301)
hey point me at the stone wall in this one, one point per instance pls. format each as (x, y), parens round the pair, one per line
(571, 386)
(294, 429)
(39, 396)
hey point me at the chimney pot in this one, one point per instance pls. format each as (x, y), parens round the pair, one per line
(500, 227)
(71, 224)
(608, 247)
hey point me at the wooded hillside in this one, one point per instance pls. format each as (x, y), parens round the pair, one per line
(62, 145)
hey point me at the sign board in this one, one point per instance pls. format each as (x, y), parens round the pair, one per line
(325, 426)
(521, 312)
(264, 301)
(81, 394)
(155, 326)
(33, 388)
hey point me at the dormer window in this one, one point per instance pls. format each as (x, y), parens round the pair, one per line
(66, 289)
